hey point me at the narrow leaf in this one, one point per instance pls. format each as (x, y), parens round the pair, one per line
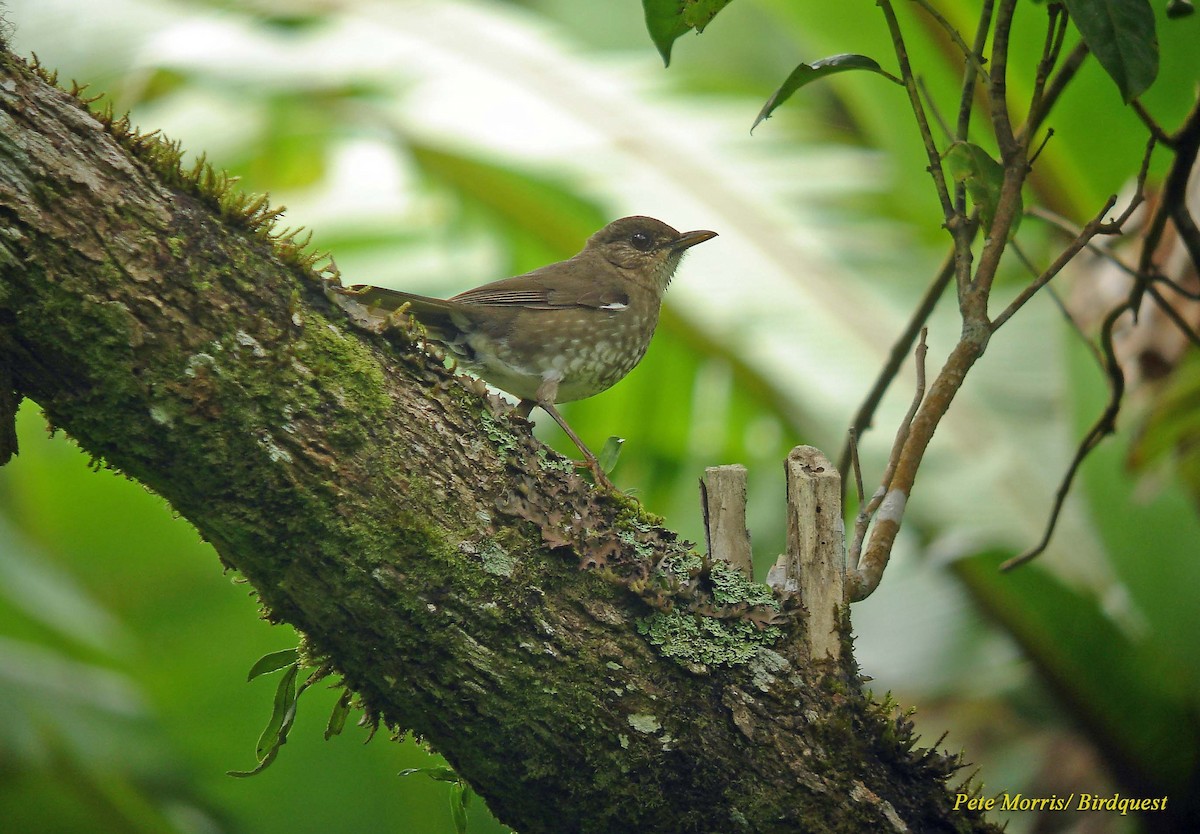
(439, 774)
(984, 178)
(1121, 35)
(337, 718)
(273, 662)
(807, 73)
(458, 806)
(610, 453)
(259, 768)
(667, 20)
(276, 733)
(285, 702)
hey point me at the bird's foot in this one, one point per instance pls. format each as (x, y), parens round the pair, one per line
(599, 478)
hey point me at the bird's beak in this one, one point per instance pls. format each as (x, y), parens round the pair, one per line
(689, 239)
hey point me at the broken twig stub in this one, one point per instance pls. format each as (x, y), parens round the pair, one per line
(815, 563)
(723, 496)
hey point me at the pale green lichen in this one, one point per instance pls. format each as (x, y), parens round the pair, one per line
(644, 723)
(765, 667)
(629, 538)
(246, 340)
(547, 460)
(696, 639)
(161, 414)
(683, 564)
(497, 561)
(275, 452)
(199, 360)
(707, 641)
(498, 432)
(731, 586)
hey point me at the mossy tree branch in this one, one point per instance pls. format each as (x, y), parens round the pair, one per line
(429, 549)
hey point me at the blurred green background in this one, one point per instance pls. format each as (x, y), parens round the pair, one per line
(438, 145)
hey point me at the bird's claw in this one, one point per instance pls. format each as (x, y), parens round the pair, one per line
(599, 478)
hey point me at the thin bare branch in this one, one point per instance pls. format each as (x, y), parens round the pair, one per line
(1010, 148)
(1075, 325)
(1105, 425)
(1152, 125)
(972, 55)
(1056, 28)
(1186, 143)
(973, 301)
(900, 351)
(966, 98)
(1072, 229)
(858, 479)
(1054, 89)
(1086, 234)
(866, 576)
(1169, 310)
(1150, 281)
(1191, 295)
(933, 108)
(914, 97)
(906, 423)
(1058, 302)
(1095, 226)
(1045, 141)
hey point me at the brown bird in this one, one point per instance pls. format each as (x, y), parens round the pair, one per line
(565, 331)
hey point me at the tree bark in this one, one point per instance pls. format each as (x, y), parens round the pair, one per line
(574, 661)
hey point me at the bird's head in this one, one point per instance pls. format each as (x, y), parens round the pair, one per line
(645, 249)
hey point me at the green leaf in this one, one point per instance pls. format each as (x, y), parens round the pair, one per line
(438, 774)
(337, 718)
(273, 662)
(460, 791)
(259, 768)
(667, 20)
(282, 717)
(807, 73)
(459, 794)
(984, 177)
(1121, 35)
(285, 707)
(610, 453)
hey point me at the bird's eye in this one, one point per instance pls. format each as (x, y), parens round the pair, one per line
(641, 241)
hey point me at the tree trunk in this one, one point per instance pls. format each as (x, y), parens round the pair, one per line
(574, 661)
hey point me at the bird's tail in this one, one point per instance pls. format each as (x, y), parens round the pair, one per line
(435, 314)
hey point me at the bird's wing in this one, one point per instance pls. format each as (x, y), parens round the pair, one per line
(543, 289)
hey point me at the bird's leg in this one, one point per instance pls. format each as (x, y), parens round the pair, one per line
(545, 400)
(592, 463)
(525, 408)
